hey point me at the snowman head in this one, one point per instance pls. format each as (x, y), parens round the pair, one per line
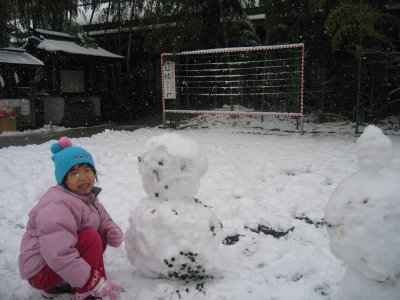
(171, 167)
(374, 149)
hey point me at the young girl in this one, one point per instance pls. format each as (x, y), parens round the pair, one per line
(68, 231)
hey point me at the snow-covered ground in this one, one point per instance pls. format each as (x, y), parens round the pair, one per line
(44, 129)
(263, 179)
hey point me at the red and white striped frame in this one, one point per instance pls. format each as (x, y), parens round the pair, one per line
(236, 49)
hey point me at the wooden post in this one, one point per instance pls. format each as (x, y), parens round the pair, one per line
(32, 92)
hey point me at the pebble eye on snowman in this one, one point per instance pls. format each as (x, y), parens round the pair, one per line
(172, 234)
(363, 218)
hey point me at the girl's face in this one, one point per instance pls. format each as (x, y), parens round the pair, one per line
(81, 179)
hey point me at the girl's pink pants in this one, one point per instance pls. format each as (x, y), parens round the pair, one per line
(90, 247)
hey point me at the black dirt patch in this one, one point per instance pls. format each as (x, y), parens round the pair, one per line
(269, 231)
(306, 219)
(231, 239)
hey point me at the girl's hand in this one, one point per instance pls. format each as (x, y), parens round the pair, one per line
(114, 237)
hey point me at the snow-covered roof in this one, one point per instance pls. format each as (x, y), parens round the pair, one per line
(134, 28)
(73, 48)
(54, 33)
(393, 6)
(256, 17)
(18, 57)
(54, 41)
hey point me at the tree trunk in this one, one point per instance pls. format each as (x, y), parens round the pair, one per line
(91, 17)
(128, 54)
(106, 23)
(267, 26)
(221, 10)
(119, 28)
(371, 110)
(358, 101)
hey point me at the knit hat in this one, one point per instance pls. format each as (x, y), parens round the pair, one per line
(66, 156)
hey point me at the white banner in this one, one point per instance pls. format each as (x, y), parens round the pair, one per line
(169, 80)
(23, 104)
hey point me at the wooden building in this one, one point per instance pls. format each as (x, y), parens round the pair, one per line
(17, 88)
(77, 81)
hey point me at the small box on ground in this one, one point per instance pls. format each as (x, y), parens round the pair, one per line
(8, 124)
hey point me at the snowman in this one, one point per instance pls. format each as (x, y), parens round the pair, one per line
(171, 234)
(363, 218)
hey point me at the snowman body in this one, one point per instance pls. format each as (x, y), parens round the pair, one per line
(363, 217)
(171, 234)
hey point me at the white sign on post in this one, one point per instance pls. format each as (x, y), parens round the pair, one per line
(169, 80)
(25, 107)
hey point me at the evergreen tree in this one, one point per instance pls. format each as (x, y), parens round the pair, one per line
(236, 28)
(283, 20)
(5, 18)
(47, 14)
(355, 27)
(177, 25)
(200, 24)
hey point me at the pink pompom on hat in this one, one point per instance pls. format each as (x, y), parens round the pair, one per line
(65, 142)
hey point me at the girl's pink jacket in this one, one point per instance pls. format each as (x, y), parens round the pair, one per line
(52, 233)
